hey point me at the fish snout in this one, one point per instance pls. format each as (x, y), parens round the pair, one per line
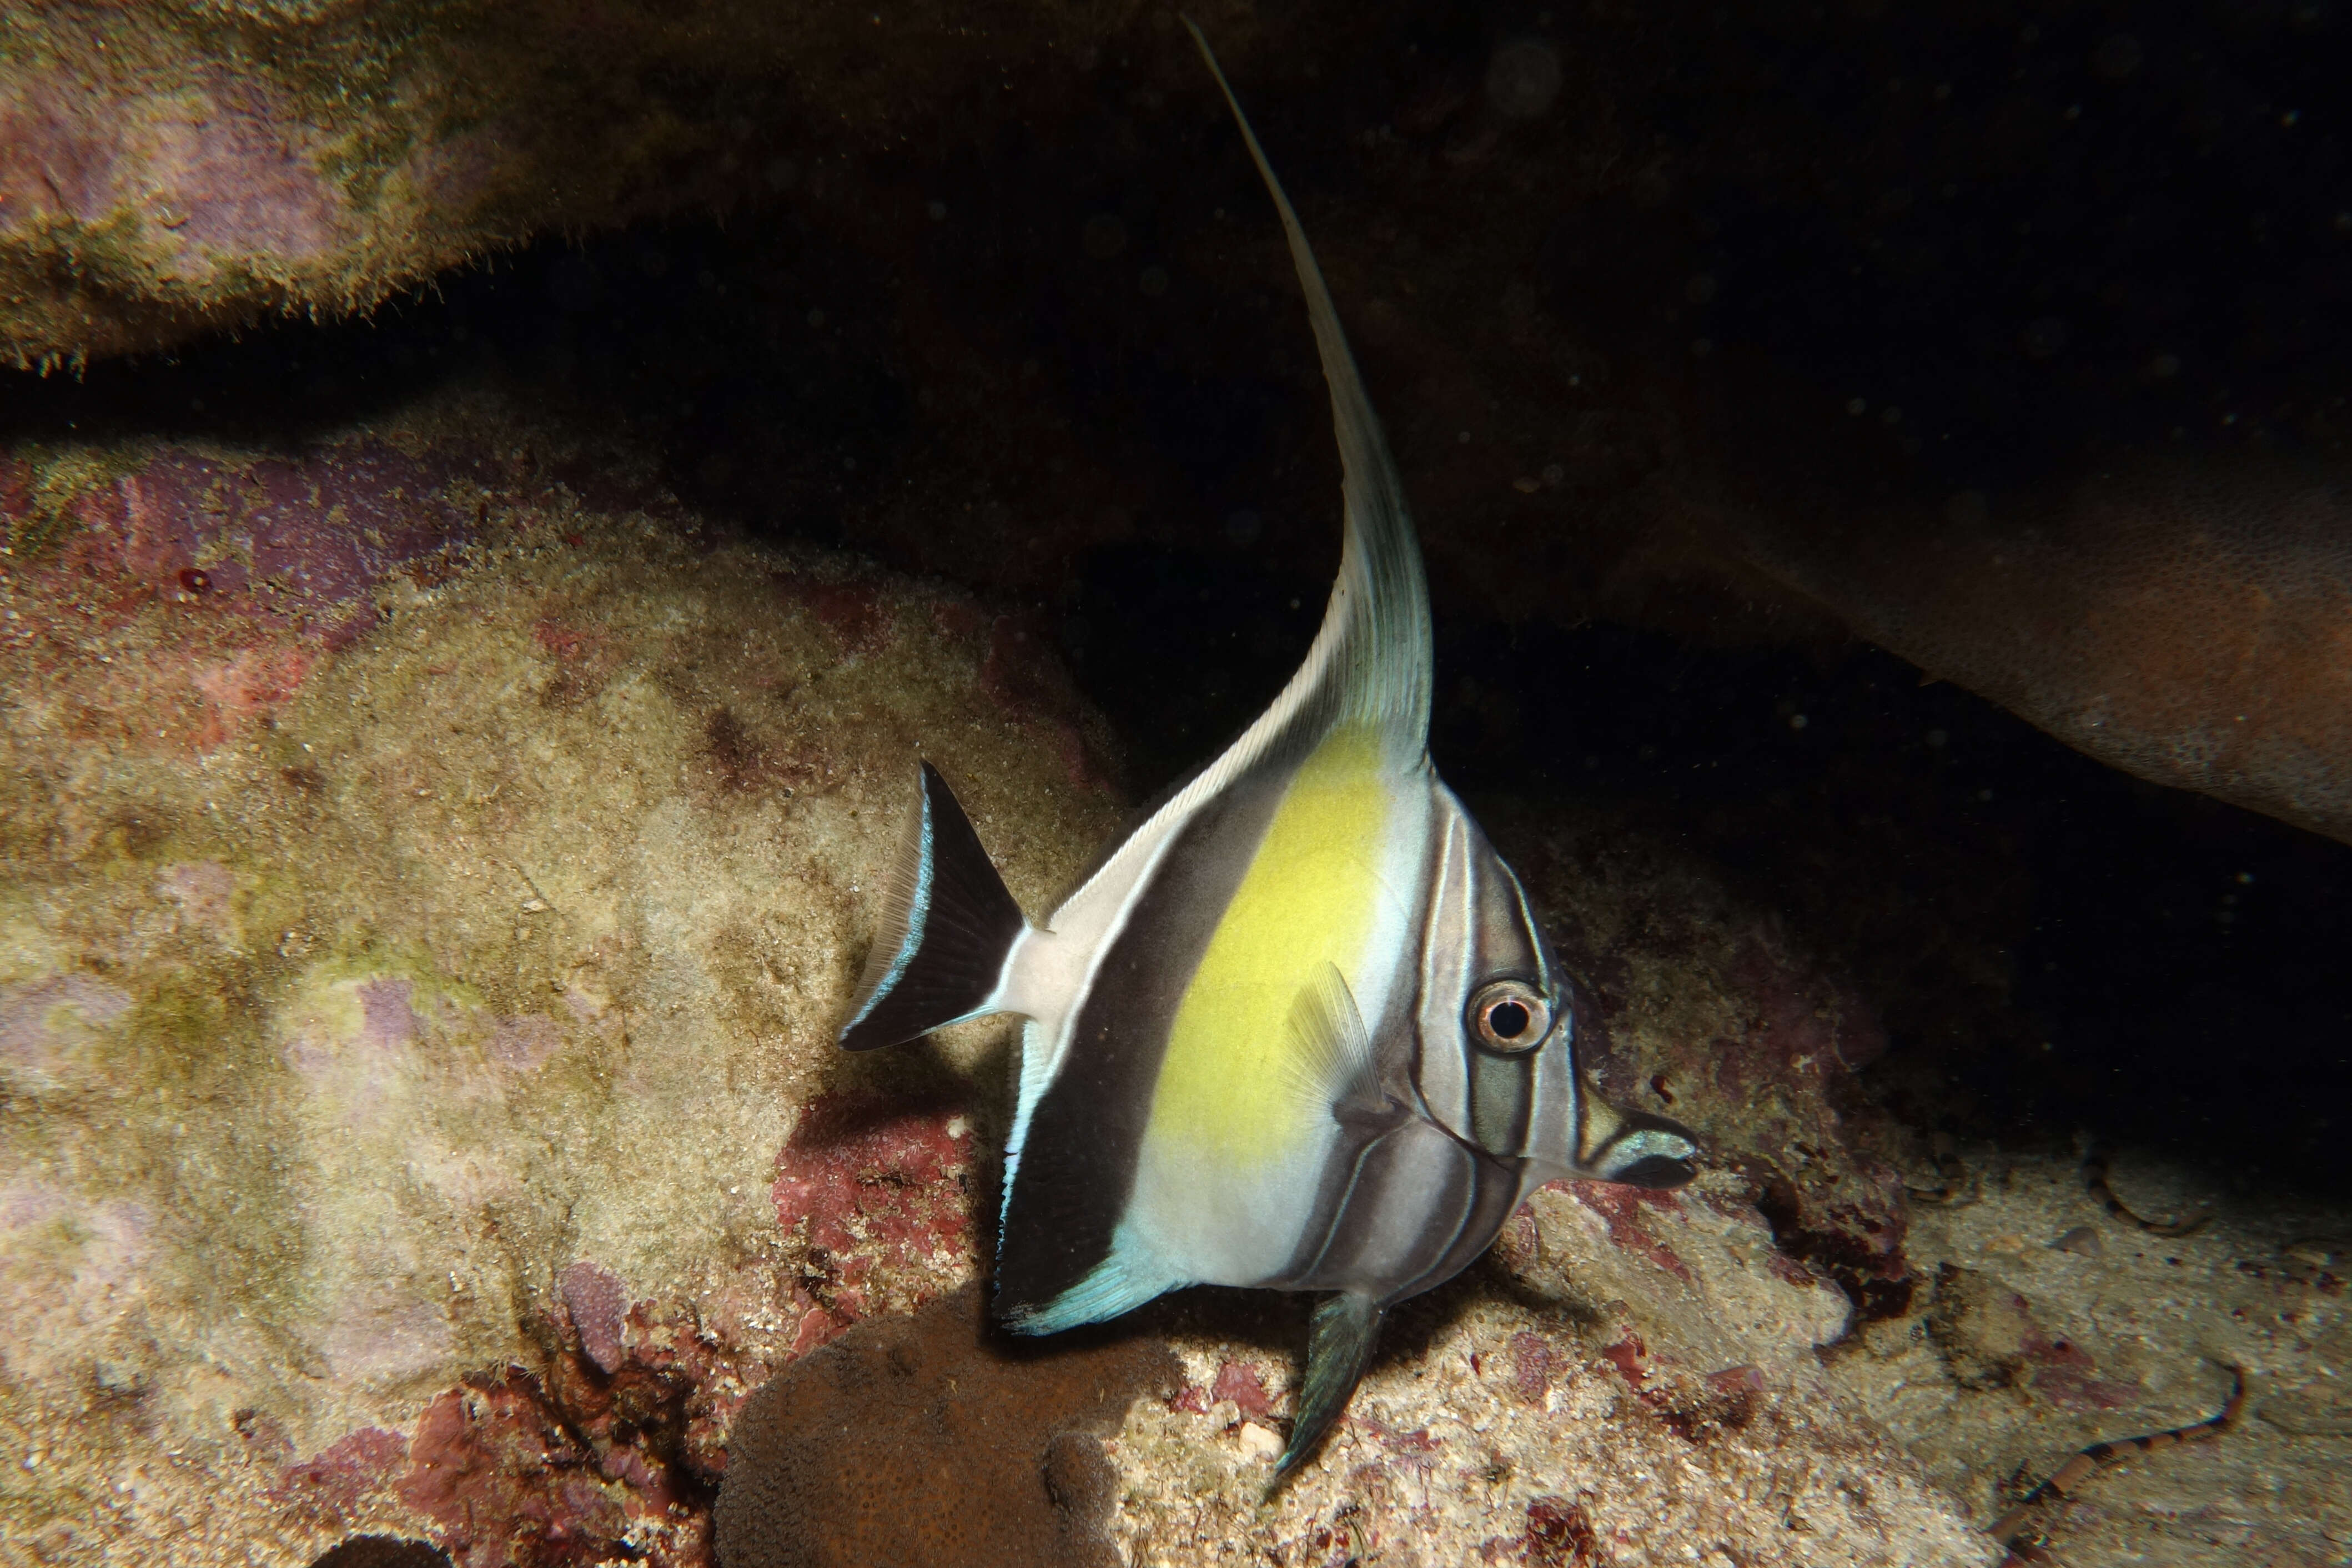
(1644, 1150)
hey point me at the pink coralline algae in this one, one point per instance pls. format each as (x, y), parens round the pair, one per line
(204, 891)
(297, 541)
(496, 1471)
(584, 658)
(1806, 1024)
(361, 1075)
(853, 612)
(597, 1304)
(1988, 1337)
(1242, 1384)
(237, 577)
(609, 1452)
(328, 1488)
(1853, 1232)
(2067, 1376)
(1559, 1534)
(1536, 1363)
(389, 1021)
(1621, 1209)
(522, 1044)
(1692, 1403)
(49, 1301)
(1733, 1382)
(1630, 1357)
(878, 1196)
(225, 168)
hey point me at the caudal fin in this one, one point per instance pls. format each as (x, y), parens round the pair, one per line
(947, 924)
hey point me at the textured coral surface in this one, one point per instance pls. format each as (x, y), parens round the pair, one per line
(2054, 1325)
(1583, 1403)
(428, 905)
(934, 1438)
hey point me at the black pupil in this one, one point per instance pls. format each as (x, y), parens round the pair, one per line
(1509, 1020)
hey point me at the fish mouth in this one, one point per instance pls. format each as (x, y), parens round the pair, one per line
(1656, 1172)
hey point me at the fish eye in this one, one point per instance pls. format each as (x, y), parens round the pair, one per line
(1509, 1015)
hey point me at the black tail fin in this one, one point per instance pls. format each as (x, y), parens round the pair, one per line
(947, 924)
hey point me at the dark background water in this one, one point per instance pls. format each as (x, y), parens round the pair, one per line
(2041, 232)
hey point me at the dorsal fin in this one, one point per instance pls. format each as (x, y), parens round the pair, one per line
(1370, 663)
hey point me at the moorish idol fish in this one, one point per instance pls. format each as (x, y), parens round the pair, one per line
(1299, 1029)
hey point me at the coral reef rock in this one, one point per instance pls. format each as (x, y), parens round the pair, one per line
(1703, 1007)
(437, 862)
(432, 896)
(1598, 1390)
(166, 169)
(2029, 1350)
(428, 904)
(2190, 625)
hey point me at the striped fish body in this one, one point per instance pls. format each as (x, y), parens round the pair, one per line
(1246, 1064)
(1301, 1029)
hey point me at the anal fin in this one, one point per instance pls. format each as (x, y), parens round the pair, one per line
(1123, 1280)
(1338, 1348)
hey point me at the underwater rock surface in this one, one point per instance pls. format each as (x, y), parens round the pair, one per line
(2191, 626)
(1573, 244)
(432, 898)
(429, 903)
(2186, 622)
(1603, 1390)
(2032, 1344)
(435, 861)
(167, 169)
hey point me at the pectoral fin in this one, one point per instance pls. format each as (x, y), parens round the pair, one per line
(1327, 1065)
(1338, 1348)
